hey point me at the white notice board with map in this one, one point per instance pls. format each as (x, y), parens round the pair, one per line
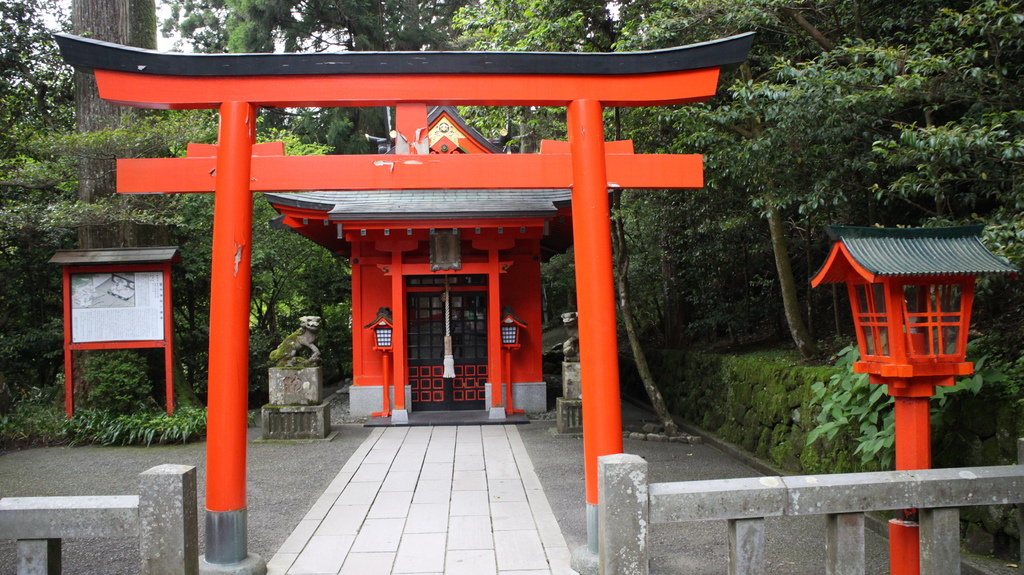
(117, 306)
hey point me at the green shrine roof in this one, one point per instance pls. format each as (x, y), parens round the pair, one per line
(920, 251)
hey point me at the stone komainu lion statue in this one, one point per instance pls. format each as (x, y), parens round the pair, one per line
(287, 354)
(571, 347)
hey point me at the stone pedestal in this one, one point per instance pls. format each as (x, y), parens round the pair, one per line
(296, 421)
(571, 386)
(296, 409)
(569, 407)
(569, 415)
(296, 386)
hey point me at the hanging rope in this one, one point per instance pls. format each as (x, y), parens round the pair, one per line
(449, 359)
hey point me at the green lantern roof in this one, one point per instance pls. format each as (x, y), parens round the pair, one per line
(898, 252)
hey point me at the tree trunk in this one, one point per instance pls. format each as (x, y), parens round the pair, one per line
(809, 263)
(625, 303)
(129, 22)
(674, 316)
(797, 327)
(105, 20)
(671, 318)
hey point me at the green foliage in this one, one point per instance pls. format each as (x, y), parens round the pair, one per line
(35, 418)
(997, 371)
(864, 412)
(567, 26)
(861, 410)
(40, 213)
(38, 418)
(143, 428)
(35, 86)
(558, 276)
(117, 381)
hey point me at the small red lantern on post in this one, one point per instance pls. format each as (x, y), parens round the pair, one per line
(510, 332)
(383, 328)
(510, 325)
(911, 292)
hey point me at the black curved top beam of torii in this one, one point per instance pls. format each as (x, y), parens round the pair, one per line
(149, 79)
(723, 53)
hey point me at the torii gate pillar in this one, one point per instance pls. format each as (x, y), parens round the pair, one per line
(230, 282)
(595, 298)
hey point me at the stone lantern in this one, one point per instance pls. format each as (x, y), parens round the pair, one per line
(911, 292)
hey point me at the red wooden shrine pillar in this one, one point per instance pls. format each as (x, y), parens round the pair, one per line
(495, 371)
(595, 297)
(227, 402)
(400, 413)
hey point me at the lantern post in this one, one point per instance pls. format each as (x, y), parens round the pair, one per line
(383, 327)
(911, 292)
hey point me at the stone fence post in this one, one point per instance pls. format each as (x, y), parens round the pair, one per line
(622, 513)
(168, 521)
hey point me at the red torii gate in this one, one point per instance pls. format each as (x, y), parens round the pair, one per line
(238, 84)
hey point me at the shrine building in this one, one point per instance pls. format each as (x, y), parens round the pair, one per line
(409, 249)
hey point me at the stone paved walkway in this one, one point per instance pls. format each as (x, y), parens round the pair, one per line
(430, 500)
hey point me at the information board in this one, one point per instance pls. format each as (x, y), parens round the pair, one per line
(117, 306)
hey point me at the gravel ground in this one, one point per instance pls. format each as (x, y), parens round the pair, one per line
(286, 478)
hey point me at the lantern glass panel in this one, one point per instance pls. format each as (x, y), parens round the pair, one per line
(878, 298)
(869, 341)
(383, 336)
(933, 319)
(871, 319)
(509, 334)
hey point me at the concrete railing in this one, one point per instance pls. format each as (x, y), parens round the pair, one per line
(164, 516)
(628, 505)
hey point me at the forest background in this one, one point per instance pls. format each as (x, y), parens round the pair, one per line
(850, 112)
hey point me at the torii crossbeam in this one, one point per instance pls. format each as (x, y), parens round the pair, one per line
(239, 84)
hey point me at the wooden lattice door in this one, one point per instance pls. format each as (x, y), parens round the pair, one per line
(426, 330)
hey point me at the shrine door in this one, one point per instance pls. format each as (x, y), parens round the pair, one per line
(467, 320)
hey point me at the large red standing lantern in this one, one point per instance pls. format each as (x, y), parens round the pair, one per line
(911, 292)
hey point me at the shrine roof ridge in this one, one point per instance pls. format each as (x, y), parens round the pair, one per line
(94, 54)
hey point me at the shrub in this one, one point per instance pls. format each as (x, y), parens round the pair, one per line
(117, 380)
(38, 420)
(34, 419)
